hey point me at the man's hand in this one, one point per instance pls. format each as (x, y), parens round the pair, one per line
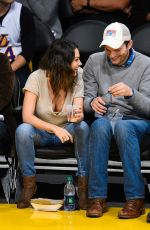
(127, 10)
(18, 63)
(120, 89)
(148, 17)
(78, 4)
(98, 105)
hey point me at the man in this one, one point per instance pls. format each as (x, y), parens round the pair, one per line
(125, 74)
(17, 37)
(107, 11)
(48, 12)
(140, 13)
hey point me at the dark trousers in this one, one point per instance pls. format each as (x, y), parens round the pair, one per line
(22, 76)
(5, 140)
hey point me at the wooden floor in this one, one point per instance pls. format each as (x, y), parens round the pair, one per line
(12, 218)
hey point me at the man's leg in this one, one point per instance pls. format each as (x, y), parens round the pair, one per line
(128, 135)
(99, 145)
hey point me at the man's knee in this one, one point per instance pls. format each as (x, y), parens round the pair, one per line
(124, 129)
(101, 125)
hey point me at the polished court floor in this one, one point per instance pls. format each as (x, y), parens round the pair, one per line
(12, 218)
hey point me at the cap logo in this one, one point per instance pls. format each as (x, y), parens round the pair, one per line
(111, 33)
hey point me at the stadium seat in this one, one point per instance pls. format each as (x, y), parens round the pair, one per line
(140, 37)
(88, 35)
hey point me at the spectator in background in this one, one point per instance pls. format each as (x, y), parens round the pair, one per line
(47, 11)
(107, 11)
(8, 125)
(17, 37)
(140, 13)
(48, 90)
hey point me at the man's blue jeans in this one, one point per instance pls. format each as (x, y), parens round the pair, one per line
(27, 137)
(128, 135)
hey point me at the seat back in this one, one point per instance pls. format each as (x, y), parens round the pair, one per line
(88, 35)
(65, 9)
(43, 38)
(141, 41)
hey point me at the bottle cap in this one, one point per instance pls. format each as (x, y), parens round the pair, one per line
(69, 178)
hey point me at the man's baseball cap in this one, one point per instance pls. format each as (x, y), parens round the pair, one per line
(115, 34)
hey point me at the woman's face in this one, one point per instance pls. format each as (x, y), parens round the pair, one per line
(76, 62)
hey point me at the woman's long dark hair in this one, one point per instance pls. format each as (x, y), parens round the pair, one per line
(57, 63)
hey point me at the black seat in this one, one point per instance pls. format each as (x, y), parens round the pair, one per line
(140, 37)
(43, 38)
(88, 35)
(65, 9)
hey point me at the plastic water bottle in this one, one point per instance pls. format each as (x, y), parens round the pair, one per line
(69, 195)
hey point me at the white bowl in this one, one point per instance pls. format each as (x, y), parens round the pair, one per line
(41, 204)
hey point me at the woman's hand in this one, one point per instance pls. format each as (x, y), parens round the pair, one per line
(78, 114)
(63, 134)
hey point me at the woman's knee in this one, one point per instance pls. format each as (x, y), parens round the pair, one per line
(24, 131)
(82, 127)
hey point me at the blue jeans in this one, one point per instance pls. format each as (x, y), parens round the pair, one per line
(27, 137)
(128, 134)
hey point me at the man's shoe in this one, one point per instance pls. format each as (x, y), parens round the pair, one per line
(96, 208)
(132, 209)
(148, 218)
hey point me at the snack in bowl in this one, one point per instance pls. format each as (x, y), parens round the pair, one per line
(41, 204)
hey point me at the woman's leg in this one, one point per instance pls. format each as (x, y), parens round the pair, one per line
(26, 137)
(80, 131)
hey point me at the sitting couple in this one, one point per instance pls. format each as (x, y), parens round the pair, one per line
(119, 70)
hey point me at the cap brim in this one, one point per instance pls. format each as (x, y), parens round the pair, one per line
(112, 43)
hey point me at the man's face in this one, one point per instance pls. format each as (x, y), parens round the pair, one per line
(118, 56)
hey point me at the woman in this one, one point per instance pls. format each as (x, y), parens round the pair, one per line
(48, 91)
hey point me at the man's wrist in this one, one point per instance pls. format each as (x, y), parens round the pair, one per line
(127, 97)
(91, 102)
